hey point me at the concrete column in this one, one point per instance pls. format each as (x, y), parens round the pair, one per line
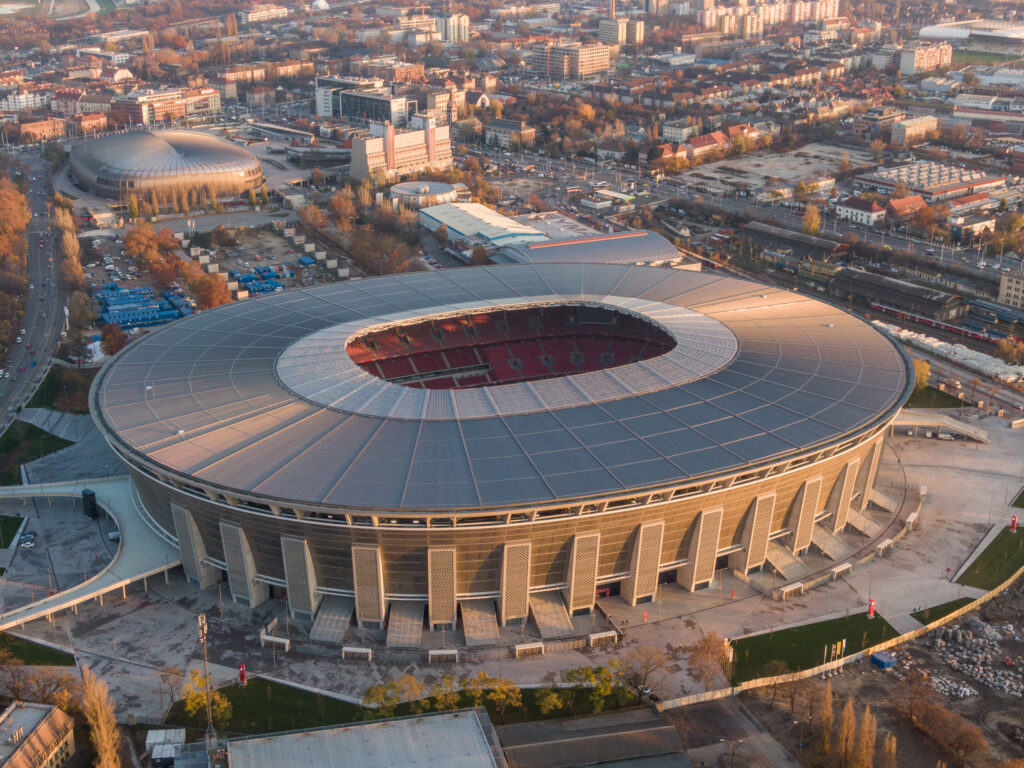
(515, 582)
(241, 567)
(643, 568)
(582, 575)
(703, 552)
(756, 529)
(193, 549)
(300, 577)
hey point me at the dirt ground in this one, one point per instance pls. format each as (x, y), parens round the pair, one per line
(1000, 716)
(258, 247)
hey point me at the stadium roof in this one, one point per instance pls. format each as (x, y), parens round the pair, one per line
(260, 398)
(162, 153)
(477, 222)
(639, 246)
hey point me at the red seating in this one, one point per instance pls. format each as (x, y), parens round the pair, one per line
(462, 357)
(395, 367)
(429, 362)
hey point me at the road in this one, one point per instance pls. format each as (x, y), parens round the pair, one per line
(45, 295)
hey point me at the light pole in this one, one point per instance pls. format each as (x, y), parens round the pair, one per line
(211, 734)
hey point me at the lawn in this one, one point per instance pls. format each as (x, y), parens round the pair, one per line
(962, 58)
(64, 389)
(929, 397)
(804, 647)
(9, 525)
(936, 612)
(1019, 501)
(22, 443)
(34, 654)
(264, 706)
(1000, 560)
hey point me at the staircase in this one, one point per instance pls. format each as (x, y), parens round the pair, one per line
(833, 547)
(789, 566)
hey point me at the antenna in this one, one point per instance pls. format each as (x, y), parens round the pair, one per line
(211, 734)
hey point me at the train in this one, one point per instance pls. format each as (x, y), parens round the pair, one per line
(976, 331)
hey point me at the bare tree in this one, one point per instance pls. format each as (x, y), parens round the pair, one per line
(864, 752)
(826, 721)
(889, 759)
(99, 713)
(707, 657)
(847, 734)
(646, 667)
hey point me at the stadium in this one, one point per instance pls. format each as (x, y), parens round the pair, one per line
(501, 442)
(163, 163)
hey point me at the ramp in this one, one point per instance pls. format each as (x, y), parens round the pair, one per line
(918, 419)
(863, 524)
(789, 566)
(479, 622)
(883, 500)
(549, 613)
(829, 543)
(332, 619)
(405, 625)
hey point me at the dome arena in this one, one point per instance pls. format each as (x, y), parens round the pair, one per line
(163, 163)
(500, 443)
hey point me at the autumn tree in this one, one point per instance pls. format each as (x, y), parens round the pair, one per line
(479, 257)
(476, 687)
(316, 178)
(80, 313)
(171, 679)
(503, 694)
(99, 714)
(208, 290)
(645, 667)
(549, 700)
(864, 750)
(382, 699)
(112, 339)
(313, 219)
(889, 759)
(441, 234)
(847, 734)
(826, 721)
(411, 690)
(707, 658)
(445, 693)
(1010, 351)
(342, 211)
(195, 693)
(922, 374)
(811, 222)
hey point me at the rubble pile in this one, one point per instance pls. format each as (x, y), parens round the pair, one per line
(976, 652)
(953, 688)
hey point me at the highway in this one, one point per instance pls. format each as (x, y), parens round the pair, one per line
(45, 295)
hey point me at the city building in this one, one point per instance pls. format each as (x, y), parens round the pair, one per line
(913, 130)
(422, 194)
(877, 121)
(934, 181)
(612, 31)
(262, 12)
(1011, 289)
(514, 134)
(1017, 160)
(425, 449)
(967, 227)
(902, 208)
(41, 130)
(925, 57)
(24, 100)
(392, 152)
(655, 7)
(35, 736)
(860, 211)
(366, 107)
(142, 108)
(569, 61)
(635, 32)
(476, 224)
(910, 297)
(454, 28)
(328, 90)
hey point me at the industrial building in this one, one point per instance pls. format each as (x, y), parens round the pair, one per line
(934, 181)
(476, 224)
(393, 152)
(868, 287)
(163, 163)
(500, 442)
(640, 247)
(35, 735)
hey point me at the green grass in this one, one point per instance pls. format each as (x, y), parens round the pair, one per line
(264, 707)
(1000, 560)
(962, 57)
(34, 654)
(1019, 501)
(929, 397)
(936, 612)
(22, 443)
(64, 389)
(803, 647)
(9, 525)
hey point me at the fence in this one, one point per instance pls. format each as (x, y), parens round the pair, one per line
(790, 677)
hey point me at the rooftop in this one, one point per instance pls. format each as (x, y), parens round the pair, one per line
(30, 729)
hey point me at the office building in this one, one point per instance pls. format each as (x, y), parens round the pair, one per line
(392, 152)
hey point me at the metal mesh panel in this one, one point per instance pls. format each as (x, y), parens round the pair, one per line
(368, 579)
(805, 507)
(760, 528)
(299, 576)
(583, 571)
(703, 549)
(193, 550)
(515, 581)
(643, 580)
(241, 567)
(866, 477)
(845, 483)
(441, 585)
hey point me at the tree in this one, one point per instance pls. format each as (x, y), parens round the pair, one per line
(536, 202)
(112, 339)
(475, 687)
(774, 669)
(864, 751)
(847, 733)
(504, 694)
(707, 657)
(645, 667)
(889, 759)
(811, 223)
(382, 699)
(445, 693)
(411, 690)
(549, 700)
(80, 313)
(844, 162)
(342, 210)
(195, 693)
(316, 178)
(876, 147)
(479, 257)
(171, 678)
(313, 219)
(441, 234)
(826, 721)
(99, 713)
(922, 373)
(140, 243)
(1010, 350)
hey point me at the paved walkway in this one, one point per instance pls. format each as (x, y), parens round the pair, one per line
(142, 553)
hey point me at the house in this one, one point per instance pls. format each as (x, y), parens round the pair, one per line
(699, 146)
(901, 209)
(860, 211)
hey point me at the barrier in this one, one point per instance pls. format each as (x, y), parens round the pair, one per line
(529, 649)
(445, 656)
(282, 642)
(601, 639)
(358, 654)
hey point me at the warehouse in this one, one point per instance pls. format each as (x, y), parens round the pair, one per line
(932, 180)
(869, 287)
(477, 224)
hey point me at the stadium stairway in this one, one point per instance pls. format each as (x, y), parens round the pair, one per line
(332, 619)
(549, 614)
(789, 566)
(883, 500)
(405, 624)
(833, 547)
(862, 524)
(479, 622)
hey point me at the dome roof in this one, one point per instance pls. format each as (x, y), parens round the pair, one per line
(163, 152)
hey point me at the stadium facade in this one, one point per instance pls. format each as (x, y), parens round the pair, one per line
(505, 434)
(163, 163)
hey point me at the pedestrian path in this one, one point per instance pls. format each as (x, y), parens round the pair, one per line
(68, 426)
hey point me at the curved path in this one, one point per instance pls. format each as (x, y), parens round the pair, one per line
(142, 552)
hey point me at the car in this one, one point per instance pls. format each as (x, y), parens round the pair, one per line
(21, 369)
(28, 544)
(7, 374)
(18, 340)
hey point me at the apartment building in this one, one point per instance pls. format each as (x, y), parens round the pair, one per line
(1011, 289)
(262, 12)
(569, 61)
(913, 130)
(925, 58)
(36, 736)
(509, 133)
(454, 28)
